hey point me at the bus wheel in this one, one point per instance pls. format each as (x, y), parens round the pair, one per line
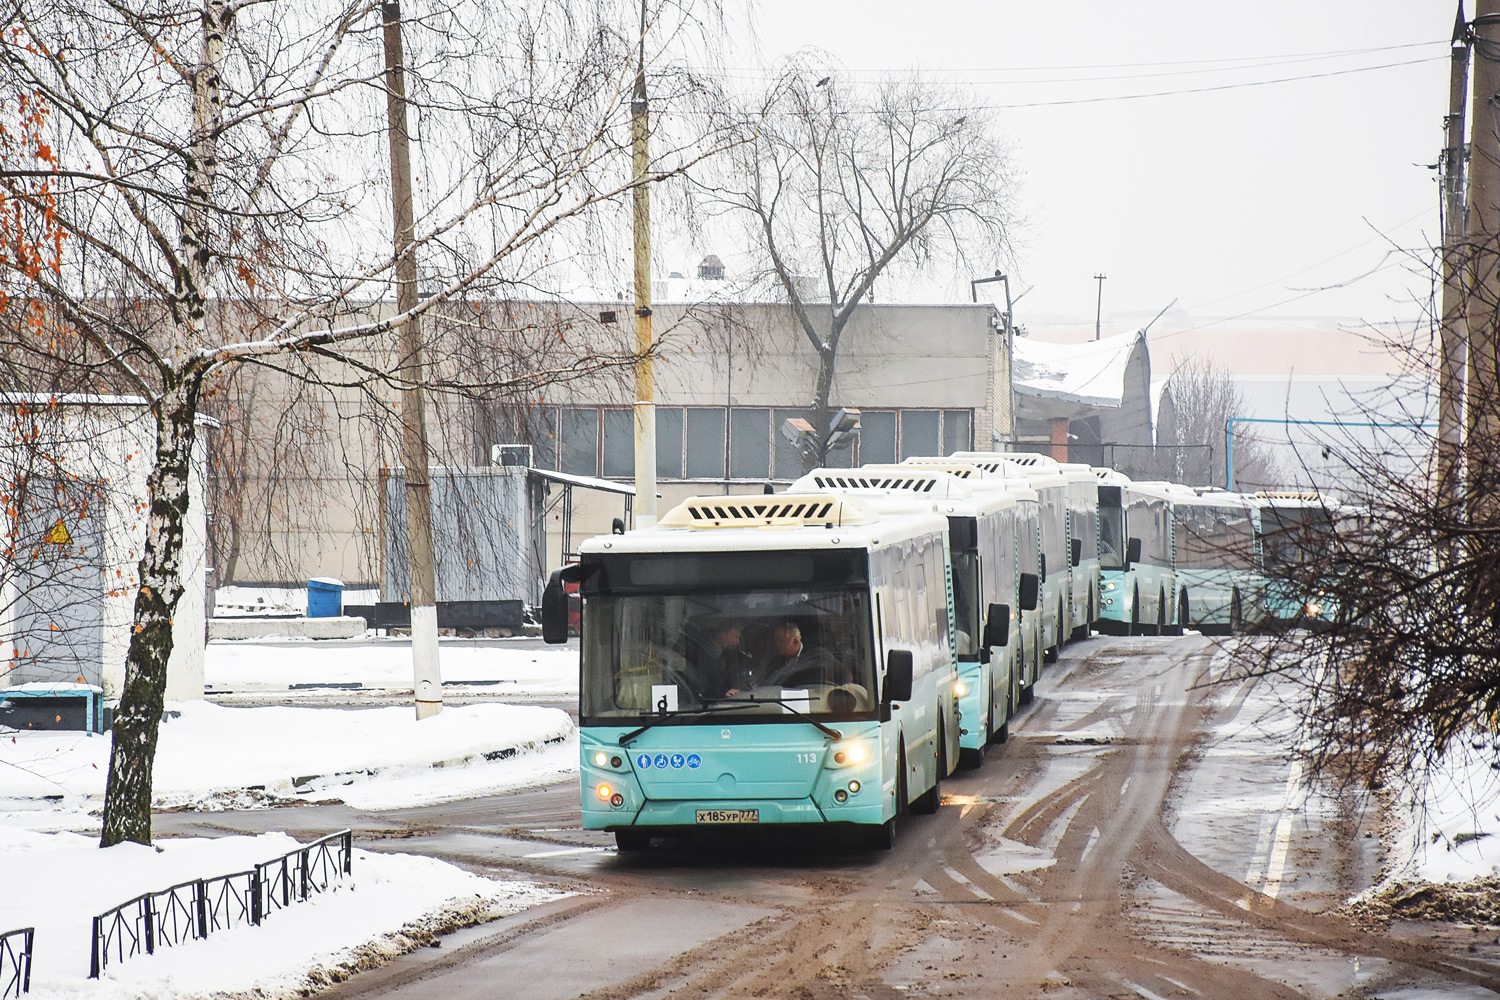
(969, 758)
(1135, 612)
(1003, 733)
(1236, 615)
(1051, 653)
(881, 837)
(629, 841)
(1182, 615)
(1028, 693)
(927, 803)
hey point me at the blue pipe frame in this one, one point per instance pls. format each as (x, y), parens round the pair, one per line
(1229, 435)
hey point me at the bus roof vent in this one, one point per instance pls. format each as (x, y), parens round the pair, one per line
(1310, 495)
(882, 479)
(954, 467)
(767, 511)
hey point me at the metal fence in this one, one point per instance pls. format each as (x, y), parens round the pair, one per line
(15, 961)
(195, 909)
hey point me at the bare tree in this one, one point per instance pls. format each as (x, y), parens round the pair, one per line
(1197, 402)
(1394, 592)
(842, 187)
(186, 186)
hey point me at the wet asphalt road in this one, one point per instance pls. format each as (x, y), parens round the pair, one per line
(1120, 844)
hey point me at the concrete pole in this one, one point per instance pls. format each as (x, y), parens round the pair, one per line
(645, 404)
(1099, 306)
(1453, 333)
(1483, 414)
(421, 585)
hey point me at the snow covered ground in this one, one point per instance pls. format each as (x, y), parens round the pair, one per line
(213, 757)
(57, 882)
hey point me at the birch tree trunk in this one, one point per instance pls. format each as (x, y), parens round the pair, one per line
(127, 798)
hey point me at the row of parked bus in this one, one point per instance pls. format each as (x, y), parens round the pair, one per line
(827, 655)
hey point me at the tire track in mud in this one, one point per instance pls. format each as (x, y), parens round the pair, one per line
(1076, 930)
(1040, 880)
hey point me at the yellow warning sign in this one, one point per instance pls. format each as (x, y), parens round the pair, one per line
(59, 535)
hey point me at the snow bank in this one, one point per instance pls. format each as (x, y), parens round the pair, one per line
(58, 882)
(210, 756)
(249, 665)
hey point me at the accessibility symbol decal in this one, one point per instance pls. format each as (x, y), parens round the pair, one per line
(661, 760)
(643, 761)
(693, 760)
(677, 760)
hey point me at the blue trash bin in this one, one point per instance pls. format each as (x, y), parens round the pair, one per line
(325, 598)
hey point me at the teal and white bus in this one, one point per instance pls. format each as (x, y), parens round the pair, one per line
(1137, 585)
(763, 660)
(987, 583)
(1056, 574)
(1298, 541)
(1217, 562)
(1028, 561)
(1083, 537)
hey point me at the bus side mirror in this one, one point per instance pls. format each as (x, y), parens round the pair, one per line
(1031, 591)
(898, 675)
(555, 605)
(1077, 551)
(617, 526)
(997, 626)
(1132, 551)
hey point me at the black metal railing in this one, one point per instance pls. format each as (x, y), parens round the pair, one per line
(194, 909)
(15, 961)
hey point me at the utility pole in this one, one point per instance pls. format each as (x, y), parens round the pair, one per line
(1099, 307)
(1452, 334)
(421, 586)
(1483, 415)
(645, 405)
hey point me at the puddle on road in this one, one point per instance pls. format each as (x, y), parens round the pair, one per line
(1010, 857)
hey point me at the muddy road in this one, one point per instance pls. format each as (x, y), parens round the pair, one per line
(1142, 834)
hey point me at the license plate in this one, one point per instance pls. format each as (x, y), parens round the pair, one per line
(728, 815)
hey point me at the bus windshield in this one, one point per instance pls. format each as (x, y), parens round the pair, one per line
(1214, 538)
(1111, 537)
(1296, 539)
(760, 651)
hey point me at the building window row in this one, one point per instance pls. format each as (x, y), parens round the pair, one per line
(718, 443)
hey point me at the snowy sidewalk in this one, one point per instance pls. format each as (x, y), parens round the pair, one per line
(390, 903)
(213, 757)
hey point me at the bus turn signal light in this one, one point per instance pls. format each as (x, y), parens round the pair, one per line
(605, 792)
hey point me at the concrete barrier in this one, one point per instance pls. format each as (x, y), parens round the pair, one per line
(343, 627)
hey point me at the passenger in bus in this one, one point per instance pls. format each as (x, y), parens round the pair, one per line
(791, 664)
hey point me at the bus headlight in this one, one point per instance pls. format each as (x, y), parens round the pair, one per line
(960, 688)
(1109, 585)
(853, 753)
(1314, 609)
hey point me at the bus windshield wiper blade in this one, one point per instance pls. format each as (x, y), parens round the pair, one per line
(685, 714)
(790, 707)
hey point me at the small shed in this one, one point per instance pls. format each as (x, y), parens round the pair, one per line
(1086, 402)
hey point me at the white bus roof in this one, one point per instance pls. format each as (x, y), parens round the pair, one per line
(882, 479)
(1217, 498)
(1110, 477)
(982, 495)
(772, 521)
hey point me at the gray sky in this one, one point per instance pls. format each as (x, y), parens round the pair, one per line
(1234, 201)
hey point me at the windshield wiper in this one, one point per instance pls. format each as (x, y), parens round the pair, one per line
(790, 707)
(733, 704)
(684, 714)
